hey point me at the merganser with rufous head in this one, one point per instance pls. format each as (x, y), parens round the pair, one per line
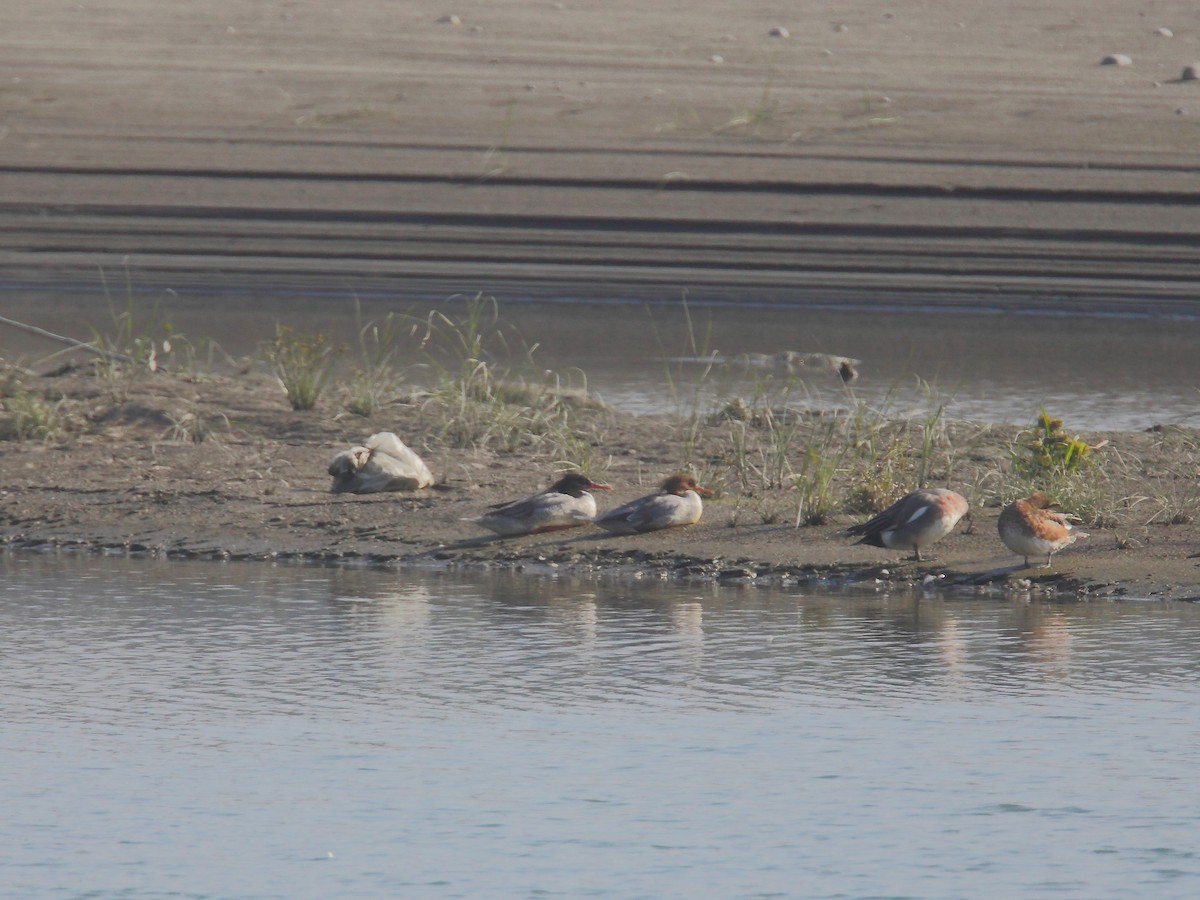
(677, 503)
(567, 503)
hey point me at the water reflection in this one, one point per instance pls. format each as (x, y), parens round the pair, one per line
(521, 641)
(560, 732)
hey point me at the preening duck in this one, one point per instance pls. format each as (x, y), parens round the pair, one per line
(914, 521)
(382, 463)
(1030, 527)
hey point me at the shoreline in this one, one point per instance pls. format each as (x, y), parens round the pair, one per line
(927, 579)
(129, 482)
(919, 156)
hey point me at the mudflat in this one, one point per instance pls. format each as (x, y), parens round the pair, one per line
(940, 154)
(220, 467)
(927, 153)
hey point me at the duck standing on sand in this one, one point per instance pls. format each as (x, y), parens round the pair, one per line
(565, 504)
(383, 463)
(677, 503)
(1030, 528)
(914, 521)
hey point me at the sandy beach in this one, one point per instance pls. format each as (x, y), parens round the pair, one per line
(922, 156)
(133, 480)
(931, 153)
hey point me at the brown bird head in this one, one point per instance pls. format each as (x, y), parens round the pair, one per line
(681, 484)
(1038, 500)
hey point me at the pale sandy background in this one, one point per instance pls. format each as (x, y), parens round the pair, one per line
(924, 151)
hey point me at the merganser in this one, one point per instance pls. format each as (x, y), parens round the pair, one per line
(565, 504)
(914, 521)
(677, 503)
(383, 463)
(1030, 528)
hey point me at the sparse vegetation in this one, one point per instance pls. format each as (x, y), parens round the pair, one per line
(377, 379)
(1067, 469)
(1175, 497)
(754, 117)
(27, 416)
(854, 460)
(814, 481)
(767, 441)
(192, 425)
(138, 343)
(480, 399)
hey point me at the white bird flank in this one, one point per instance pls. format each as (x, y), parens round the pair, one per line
(382, 463)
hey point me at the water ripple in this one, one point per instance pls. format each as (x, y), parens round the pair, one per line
(640, 739)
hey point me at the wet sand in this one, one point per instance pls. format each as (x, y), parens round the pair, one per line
(257, 489)
(938, 155)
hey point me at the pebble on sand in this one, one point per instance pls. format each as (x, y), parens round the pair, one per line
(779, 31)
(1190, 73)
(1164, 32)
(1116, 59)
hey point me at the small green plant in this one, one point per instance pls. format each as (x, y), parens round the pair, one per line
(1066, 469)
(689, 367)
(814, 480)
(762, 448)
(1052, 449)
(933, 435)
(30, 417)
(195, 361)
(365, 393)
(495, 161)
(303, 363)
(881, 479)
(456, 345)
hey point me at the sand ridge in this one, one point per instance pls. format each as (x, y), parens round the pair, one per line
(931, 153)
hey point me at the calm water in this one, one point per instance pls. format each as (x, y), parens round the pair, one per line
(1094, 372)
(208, 730)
